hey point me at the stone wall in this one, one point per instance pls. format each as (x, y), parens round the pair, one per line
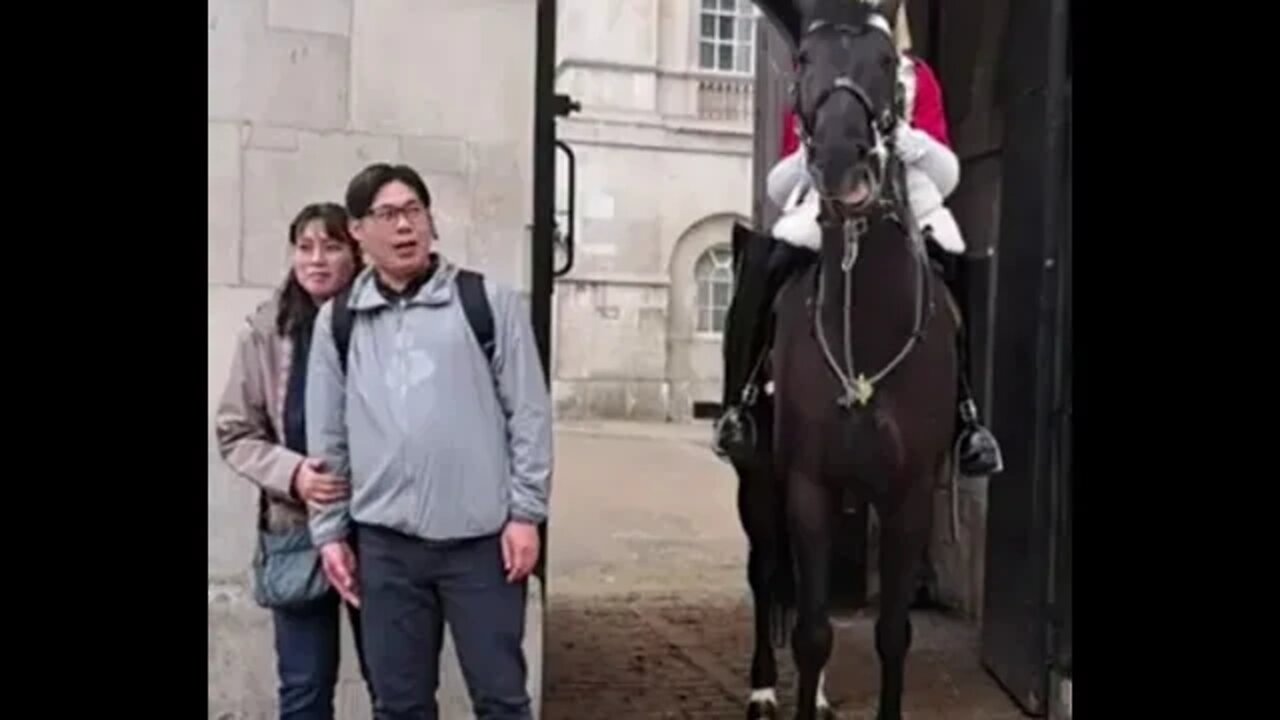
(303, 94)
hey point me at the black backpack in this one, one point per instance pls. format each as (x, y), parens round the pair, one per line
(475, 305)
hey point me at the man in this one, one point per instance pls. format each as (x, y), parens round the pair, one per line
(448, 455)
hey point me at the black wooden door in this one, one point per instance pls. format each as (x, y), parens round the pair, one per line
(1024, 509)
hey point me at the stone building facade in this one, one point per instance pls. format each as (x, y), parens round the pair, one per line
(664, 168)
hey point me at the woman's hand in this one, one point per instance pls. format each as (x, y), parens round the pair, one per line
(314, 486)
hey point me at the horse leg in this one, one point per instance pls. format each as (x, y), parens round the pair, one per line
(903, 538)
(756, 507)
(810, 507)
(763, 702)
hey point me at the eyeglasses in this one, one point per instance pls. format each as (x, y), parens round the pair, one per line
(413, 212)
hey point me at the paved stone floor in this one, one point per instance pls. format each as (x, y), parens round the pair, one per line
(648, 611)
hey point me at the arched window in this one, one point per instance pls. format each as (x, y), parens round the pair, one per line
(714, 275)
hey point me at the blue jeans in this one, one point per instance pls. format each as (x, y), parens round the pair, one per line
(307, 652)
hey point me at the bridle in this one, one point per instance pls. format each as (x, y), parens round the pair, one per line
(858, 388)
(882, 123)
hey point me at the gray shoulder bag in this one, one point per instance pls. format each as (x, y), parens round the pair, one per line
(286, 566)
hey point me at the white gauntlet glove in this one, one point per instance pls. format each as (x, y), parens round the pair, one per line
(911, 143)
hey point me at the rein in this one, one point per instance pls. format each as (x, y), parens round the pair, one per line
(857, 387)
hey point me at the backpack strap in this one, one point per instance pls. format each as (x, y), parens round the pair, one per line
(475, 305)
(341, 322)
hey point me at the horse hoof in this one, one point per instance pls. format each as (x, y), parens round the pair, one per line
(762, 711)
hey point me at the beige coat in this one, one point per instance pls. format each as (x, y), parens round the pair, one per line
(249, 417)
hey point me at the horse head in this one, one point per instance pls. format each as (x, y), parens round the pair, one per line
(847, 97)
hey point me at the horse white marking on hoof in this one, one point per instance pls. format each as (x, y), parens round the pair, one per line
(762, 704)
(823, 703)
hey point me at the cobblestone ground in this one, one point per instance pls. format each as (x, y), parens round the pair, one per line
(648, 611)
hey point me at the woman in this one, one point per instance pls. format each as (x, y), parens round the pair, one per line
(261, 434)
(932, 173)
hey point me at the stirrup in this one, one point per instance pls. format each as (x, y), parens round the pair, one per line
(733, 435)
(978, 452)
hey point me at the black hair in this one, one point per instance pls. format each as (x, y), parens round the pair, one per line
(364, 187)
(297, 308)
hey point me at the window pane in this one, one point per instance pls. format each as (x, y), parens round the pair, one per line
(704, 294)
(743, 61)
(725, 54)
(728, 4)
(720, 295)
(726, 28)
(708, 29)
(717, 320)
(709, 4)
(706, 54)
(744, 29)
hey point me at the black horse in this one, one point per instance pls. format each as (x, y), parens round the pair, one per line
(864, 362)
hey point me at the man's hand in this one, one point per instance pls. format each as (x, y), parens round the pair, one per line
(519, 549)
(315, 487)
(340, 567)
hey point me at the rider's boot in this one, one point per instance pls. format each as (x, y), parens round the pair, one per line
(978, 453)
(745, 340)
(732, 435)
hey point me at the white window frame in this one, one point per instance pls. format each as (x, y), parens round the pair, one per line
(745, 16)
(713, 267)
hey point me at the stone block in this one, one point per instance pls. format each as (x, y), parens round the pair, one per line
(265, 137)
(317, 16)
(501, 251)
(612, 399)
(451, 208)
(435, 155)
(235, 26)
(500, 182)
(426, 67)
(958, 567)
(224, 202)
(277, 77)
(278, 184)
(297, 79)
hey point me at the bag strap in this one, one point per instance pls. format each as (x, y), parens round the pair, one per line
(475, 305)
(340, 323)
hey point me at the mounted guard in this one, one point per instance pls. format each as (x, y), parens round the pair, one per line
(932, 174)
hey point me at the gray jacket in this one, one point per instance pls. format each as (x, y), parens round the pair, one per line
(437, 444)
